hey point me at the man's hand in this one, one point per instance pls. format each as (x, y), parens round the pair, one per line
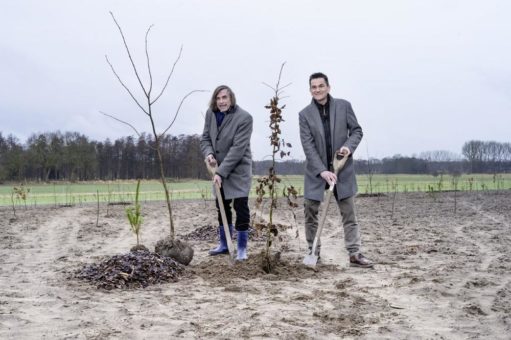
(211, 160)
(217, 180)
(345, 151)
(329, 177)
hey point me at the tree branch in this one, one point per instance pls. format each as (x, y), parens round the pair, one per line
(170, 75)
(123, 85)
(280, 75)
(179, 108)
(148, 64)
(271, 87)
(121, 121)
(129, 55)
(279, 91)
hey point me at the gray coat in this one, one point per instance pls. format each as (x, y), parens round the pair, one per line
(230, 145)
(345, 131)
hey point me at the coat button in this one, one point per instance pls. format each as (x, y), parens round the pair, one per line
(218, 152)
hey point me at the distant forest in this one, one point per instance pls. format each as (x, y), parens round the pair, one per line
(72, 156)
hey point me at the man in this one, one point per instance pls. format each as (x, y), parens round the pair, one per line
(328, 126)
(226, 142)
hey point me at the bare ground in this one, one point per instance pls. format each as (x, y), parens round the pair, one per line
(439, 275)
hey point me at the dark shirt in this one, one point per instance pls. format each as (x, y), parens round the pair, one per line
(219, 118)
(221, 115)
(324, 113)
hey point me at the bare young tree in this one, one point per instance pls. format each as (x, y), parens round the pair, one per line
(147, 108)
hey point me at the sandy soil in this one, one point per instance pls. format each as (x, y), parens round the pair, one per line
(439, 275)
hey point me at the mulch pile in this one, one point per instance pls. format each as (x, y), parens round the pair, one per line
(210, 233)
(137, 269)
(204, 233)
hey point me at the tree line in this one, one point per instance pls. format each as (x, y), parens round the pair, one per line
(476, 157)
(73, 156)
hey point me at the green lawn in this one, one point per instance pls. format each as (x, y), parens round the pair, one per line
(124, 191)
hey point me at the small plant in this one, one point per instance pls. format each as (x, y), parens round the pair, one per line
(203, 195)
(394, 186)
(54, 196)
(135, 216)
(268, 184)
(97, 210)
(108, 200)
(470, 183)
(440, 183)
(431, 192)
(13, 206)
(290, 193)
(21, 194)
(455, 179)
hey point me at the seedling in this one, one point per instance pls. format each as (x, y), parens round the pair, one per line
(134, 216)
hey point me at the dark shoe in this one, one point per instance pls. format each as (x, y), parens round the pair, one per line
(222, 245)
(361, 261)
(242, 245)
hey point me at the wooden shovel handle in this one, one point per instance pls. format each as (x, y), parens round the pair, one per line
(339, 161)
(212, 171)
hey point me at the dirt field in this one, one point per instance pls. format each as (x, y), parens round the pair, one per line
(439, 276)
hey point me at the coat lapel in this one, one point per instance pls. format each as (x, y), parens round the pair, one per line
(214, 130)
(314, 115)
(318, 126)
(333, 116)
(227, 119)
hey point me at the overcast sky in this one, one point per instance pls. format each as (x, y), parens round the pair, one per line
(421, 75)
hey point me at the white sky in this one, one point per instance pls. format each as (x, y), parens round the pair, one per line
(421, 75)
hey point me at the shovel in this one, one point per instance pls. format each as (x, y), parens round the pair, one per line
(312, 259)
(212, 170)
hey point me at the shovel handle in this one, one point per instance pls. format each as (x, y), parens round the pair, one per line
(338, 164)
(211, 168)
(212, 171)
(339, 161)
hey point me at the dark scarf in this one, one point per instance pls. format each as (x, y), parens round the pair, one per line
(221, 115)
(324, 114)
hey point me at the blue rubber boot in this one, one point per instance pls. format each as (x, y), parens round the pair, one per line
(242, 245)
(222, 246)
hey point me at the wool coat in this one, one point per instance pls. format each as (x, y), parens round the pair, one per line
(230, 145)
(344, 131)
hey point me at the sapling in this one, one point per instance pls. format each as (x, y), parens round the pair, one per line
(178, 250)
(431, 192)
(13, 205)
(21, 193)
(394, 188)
(455, 180)
(268, 184)
(440, 183)
(134, 216)
(97, 211)
(54, 196)
(470, 181)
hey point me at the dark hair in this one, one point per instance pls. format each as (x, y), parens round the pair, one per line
(212, 102)
(318, 75)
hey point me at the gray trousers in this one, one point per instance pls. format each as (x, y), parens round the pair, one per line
(349, 222)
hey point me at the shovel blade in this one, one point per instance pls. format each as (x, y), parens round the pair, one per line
(310, 260)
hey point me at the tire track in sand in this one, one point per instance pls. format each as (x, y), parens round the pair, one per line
(33, 299)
